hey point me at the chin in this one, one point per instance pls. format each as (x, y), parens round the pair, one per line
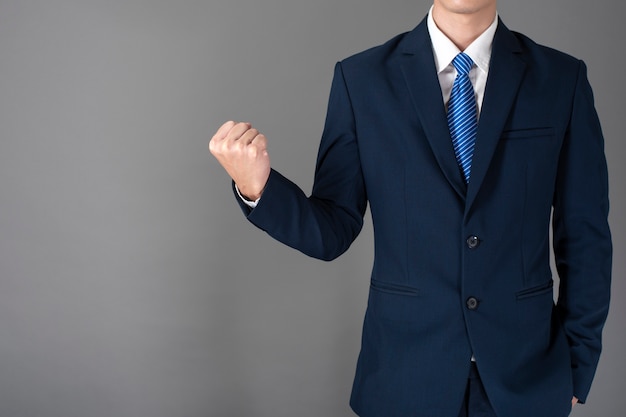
(467, 6)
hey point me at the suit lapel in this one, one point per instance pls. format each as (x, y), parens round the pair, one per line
(420, 75)
(506, 70)
(505, 75)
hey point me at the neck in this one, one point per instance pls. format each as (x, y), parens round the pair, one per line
(462, 27)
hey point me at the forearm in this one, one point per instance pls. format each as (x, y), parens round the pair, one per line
(317, 227)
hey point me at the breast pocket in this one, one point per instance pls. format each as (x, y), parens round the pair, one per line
(526, 160)
(529, 133)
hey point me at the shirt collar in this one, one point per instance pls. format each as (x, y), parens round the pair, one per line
(445, 50)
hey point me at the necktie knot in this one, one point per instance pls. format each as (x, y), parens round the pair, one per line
(463, 63)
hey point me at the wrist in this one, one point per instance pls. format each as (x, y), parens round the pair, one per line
(251, 192)
(247, 200)
(252, 197)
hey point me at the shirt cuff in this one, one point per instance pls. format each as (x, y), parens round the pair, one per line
(249, 203)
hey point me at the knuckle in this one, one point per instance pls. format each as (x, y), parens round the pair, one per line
(213, 147)
(237, 148)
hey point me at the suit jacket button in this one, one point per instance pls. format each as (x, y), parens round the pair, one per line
(472, 303)
(472, 242)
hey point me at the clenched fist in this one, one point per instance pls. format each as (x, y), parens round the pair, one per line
(242, 151)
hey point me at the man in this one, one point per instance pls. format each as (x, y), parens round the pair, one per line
(464, 159)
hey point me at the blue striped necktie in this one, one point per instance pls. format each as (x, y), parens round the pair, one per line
(462, 115)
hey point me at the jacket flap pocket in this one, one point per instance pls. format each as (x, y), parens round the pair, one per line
(535, 290)
(392, 288)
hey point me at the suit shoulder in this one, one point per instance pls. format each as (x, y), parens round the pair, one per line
(546, 55)
(375, 55)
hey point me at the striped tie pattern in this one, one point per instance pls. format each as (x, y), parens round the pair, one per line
(462, 115)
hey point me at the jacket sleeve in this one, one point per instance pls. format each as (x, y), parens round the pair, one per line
(582, 240)
(326, 223)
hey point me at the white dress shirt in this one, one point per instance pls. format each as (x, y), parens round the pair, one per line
(444, 51)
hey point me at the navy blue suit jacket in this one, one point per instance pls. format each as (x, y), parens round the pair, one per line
(441, 245)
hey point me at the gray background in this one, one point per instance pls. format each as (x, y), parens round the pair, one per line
(131, 285)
